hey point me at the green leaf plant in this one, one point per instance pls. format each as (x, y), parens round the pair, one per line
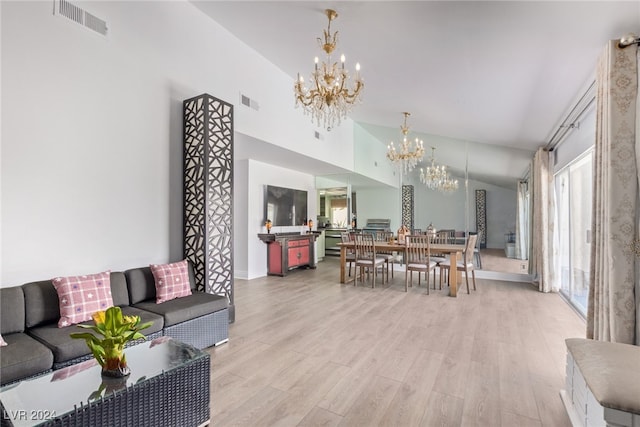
(112, 331)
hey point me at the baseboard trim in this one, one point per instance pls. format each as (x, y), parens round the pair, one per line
(509, 277)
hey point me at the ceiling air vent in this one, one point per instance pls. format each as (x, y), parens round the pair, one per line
(80, 16)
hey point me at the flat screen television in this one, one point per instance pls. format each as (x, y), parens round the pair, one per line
(285, 206)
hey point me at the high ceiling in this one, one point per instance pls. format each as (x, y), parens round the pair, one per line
(502, 73)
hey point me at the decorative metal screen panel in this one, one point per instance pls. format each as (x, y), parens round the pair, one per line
(481, 216)
(208, 193)
(407, 206)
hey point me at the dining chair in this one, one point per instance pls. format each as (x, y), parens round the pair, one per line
(442, 237)
(476, 251)
(466, 265)
(351, 252)
(366, 257)
(450, 233)
(385, 236)
(417, 252)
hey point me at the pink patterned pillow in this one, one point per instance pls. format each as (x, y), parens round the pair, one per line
(2, 341)
(172, 280)
(81, 296)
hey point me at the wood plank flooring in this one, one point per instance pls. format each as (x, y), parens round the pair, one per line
(307, 351)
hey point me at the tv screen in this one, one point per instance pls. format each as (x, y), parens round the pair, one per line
(285, 206)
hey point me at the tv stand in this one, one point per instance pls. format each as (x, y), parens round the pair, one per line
(286, 251)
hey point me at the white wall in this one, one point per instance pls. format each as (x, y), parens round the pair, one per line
(252, 262)
(91, 167)
(371, 157)
(501, 212)
(445, 211)
(241, 233)
(378, 203)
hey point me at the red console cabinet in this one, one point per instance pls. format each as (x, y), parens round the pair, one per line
(286, 251)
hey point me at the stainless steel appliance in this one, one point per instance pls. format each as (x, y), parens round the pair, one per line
(374, 225)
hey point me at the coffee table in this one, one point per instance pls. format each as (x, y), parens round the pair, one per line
(169, 385)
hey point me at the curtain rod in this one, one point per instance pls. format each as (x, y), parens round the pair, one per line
(571, 120)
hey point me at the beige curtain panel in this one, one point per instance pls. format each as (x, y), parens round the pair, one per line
(543, 224)
(612, 308)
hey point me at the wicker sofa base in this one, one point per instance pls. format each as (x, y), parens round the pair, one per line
(204, 331)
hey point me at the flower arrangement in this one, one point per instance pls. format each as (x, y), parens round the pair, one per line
(113, 331)
(267, 224)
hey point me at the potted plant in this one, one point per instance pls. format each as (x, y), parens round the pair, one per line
(113, 331)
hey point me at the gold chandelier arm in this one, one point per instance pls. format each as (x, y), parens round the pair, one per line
(329, 100)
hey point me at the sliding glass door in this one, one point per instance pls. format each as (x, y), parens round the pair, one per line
(573, 186)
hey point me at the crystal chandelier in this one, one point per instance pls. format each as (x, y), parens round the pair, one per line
(436, 177)
(410, 154)
(329, 100)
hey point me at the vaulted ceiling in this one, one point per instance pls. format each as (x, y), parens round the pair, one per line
(493, 72)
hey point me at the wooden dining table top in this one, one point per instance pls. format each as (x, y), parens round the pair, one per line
(395, 246)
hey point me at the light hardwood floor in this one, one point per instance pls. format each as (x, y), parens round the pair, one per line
(305, 350)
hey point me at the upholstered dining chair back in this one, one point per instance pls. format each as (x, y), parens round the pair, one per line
(468, 252)
(476, 249)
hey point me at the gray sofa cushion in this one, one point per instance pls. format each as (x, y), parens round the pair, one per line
(43, 306)
(23, 357)
(11, 310)
(65, 348)
(119, 292)
(186, 308)
(142, 285)
(146, 316)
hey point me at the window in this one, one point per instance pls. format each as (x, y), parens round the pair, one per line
(339, 213)
(573, 187)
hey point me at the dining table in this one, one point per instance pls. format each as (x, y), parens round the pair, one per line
(454, 251)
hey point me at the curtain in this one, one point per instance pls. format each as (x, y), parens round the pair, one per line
(541, 263)
(612, 308)
(522, 221)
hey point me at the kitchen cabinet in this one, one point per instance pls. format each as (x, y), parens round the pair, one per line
(320, 246)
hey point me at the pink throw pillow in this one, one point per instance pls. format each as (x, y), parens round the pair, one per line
(172, 280)
(2, 341)
(81, 296)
